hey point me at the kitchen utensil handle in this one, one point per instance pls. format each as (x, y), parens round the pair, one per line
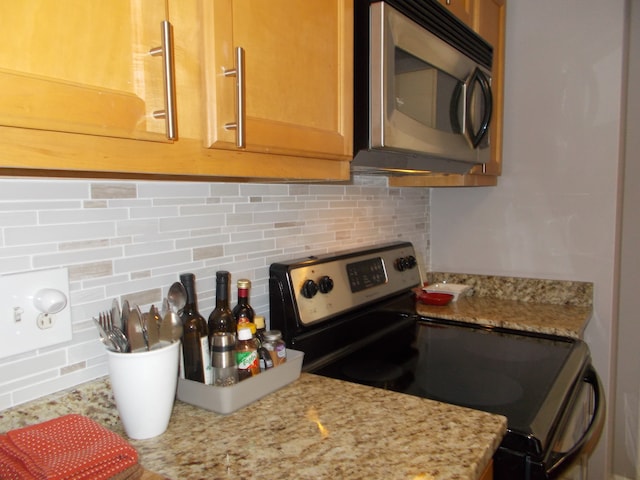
(238, 72)
(562, 460)
(168, 69)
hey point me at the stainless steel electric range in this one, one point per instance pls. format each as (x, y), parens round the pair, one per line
(353, 314)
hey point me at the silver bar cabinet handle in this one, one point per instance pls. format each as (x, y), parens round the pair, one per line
(166, 50)
(238, 72)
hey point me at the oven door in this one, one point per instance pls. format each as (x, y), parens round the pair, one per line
(580, 432)
(425, 95)
(577, 433)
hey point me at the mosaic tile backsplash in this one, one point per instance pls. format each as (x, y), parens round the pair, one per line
(131, 240)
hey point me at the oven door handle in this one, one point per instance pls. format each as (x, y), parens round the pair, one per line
(561, 460)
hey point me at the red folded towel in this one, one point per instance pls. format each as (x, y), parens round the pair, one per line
(71, 447)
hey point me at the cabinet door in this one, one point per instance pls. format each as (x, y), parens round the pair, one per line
(488, 472)
(82, 66)
(297, 75)
(490, 24)
(463, 9)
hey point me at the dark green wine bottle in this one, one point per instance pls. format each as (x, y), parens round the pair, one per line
(195, 338)
(221, 318)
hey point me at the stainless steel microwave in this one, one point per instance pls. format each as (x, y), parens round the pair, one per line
(422, 90)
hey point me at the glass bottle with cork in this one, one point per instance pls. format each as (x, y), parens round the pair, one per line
(195, 342)
(243, 312)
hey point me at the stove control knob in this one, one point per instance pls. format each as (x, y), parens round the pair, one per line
(405, 263)
(309, 289)
(401, 264)
(325, 284)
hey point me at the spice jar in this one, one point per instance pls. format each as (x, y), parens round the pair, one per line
(260, 328)
(275, 346)
(223, 359)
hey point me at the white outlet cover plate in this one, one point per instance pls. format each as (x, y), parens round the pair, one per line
(16, 295)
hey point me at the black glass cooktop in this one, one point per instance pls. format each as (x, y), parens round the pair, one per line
(523, 377)
(497, 372)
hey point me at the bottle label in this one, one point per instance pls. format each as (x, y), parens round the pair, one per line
(247, 360)
(206, 360)
(277, 351)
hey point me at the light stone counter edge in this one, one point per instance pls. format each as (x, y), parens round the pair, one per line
(314, 428)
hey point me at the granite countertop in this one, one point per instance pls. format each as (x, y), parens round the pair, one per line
(554, 307)
(562, 320)
(314, 428)
(317, 427)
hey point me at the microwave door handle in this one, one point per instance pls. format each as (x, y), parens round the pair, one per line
(561, 460)
(478, 78)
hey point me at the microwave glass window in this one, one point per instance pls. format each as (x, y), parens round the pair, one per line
(424, 93)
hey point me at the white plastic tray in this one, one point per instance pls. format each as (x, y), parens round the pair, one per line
(226, 400)
(455, 289)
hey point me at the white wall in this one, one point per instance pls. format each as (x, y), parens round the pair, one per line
(553, 214)
(627, 402)
(132, 239)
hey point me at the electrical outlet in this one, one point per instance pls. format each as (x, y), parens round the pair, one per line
(45, 320)
(34, 310)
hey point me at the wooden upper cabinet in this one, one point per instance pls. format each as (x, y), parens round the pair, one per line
(463, 9)
(79, 88)
(297, 76)
(82, 66)
(490, 24)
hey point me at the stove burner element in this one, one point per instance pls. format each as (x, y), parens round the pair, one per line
(375, 373)
(478, 387)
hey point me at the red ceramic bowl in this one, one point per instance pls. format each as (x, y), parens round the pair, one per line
(435, 298)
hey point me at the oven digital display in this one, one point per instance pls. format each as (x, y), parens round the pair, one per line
(366, 274)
